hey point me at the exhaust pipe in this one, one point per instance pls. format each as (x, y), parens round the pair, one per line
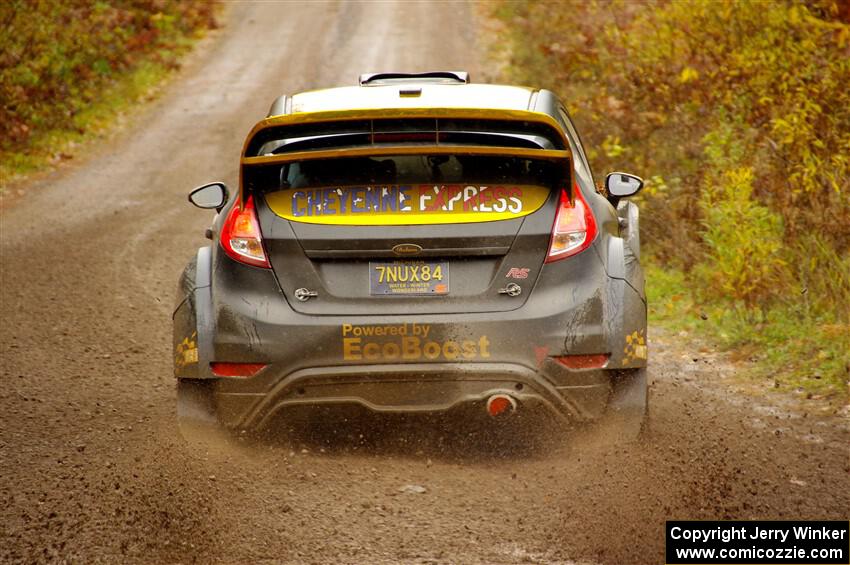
(501, 405)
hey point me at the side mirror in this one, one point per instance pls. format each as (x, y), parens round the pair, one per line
(209, 196)
(622, 185)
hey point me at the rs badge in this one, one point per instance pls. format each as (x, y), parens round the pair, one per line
(517, 273)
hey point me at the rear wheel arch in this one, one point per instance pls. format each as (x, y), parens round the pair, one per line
(193, 322)
(625, 325)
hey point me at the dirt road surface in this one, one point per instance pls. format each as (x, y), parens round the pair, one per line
(92, 468)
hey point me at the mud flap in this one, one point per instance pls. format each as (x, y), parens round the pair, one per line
(197, 418)
(195, 401)
(627, 416)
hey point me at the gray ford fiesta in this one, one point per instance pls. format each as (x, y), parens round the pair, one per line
(415, 244)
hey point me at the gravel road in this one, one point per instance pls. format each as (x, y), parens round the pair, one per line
(92, 468)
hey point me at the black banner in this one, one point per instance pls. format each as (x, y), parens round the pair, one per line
(758, 542)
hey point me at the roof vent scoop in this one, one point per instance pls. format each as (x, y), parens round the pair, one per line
(440, 77)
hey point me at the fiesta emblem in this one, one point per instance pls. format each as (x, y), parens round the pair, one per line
(407, 249)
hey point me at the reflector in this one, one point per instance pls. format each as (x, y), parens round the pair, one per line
(596, 361)
(236, 369)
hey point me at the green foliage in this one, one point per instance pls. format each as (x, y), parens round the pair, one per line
(57, 56)
(738, 112)
(743, 243)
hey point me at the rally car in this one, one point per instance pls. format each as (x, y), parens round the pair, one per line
(414, 244)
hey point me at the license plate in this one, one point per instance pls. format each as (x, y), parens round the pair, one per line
(409, 277)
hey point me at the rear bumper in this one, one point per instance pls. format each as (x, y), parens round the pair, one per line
(412, 388)
(406, 363)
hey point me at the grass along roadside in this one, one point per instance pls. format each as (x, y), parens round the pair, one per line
(807, 358)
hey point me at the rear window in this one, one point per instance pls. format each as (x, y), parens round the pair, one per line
(406, 189)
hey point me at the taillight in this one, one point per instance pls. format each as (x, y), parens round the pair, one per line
(241, 237)
(574, 228)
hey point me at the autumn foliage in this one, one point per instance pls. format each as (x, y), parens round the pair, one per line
(738, 114)
(57, 55)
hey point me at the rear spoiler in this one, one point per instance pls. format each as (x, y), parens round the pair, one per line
(444, 122)
(411, 131)
(422, 131)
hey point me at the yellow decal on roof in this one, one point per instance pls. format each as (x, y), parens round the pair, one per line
(406, 204)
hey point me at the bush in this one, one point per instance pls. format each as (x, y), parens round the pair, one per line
(738, 114)
(57, 55)
(649, 83)
(743, 244)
